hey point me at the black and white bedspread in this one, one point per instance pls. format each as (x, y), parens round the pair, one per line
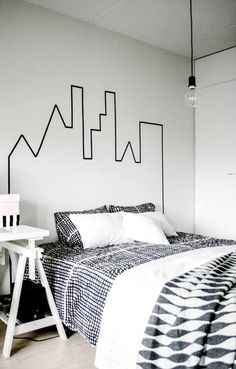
(80, 281)
(193, 323)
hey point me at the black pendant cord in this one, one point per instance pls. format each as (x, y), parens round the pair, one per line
(191, 32)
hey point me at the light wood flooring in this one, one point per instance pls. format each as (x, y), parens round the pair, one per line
(75, 353)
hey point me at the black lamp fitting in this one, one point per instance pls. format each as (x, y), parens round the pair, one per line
(192, 82)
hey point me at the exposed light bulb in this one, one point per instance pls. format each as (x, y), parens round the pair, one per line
(192, 99)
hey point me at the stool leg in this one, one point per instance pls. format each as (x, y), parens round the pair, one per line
(50, 299)
(31, 246)
(14, 306)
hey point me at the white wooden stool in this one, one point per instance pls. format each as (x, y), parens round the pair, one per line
(12, 240)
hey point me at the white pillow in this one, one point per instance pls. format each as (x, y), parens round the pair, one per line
(167, 228)
(139, 227)
(101, 229)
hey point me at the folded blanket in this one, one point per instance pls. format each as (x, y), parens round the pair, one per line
(193, 323)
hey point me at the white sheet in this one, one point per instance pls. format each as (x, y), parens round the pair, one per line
(131, 300)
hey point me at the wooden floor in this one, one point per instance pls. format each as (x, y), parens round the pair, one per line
(75, 353)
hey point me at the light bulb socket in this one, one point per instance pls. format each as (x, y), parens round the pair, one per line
(192, 82)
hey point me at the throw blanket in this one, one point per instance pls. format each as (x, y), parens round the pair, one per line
(193, 324)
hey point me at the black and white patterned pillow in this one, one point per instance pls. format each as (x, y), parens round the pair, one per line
(143, 208)
(67, 233)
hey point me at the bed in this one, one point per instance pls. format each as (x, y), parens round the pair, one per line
(166, 303)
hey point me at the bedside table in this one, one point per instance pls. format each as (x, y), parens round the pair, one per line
(21, 240)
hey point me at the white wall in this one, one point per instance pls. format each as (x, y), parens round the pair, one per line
(42, 54)
(216, 145)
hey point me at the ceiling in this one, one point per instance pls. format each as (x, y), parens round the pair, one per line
(162, 23)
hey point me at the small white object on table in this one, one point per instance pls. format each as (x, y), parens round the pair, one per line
(9, 215)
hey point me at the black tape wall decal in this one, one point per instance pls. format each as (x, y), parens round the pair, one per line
(137, 159)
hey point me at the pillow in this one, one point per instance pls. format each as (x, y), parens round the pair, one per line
(66, 230)
(143, 208)
(140, 227)
(99, 230)
(167, 228)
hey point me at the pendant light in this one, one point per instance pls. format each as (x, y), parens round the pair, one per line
(192, 98)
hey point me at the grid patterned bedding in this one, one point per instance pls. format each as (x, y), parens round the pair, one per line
(81, 280)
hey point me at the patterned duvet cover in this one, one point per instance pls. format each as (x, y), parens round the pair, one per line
(80, 280)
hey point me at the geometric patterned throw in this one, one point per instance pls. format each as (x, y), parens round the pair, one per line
(193, 324)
